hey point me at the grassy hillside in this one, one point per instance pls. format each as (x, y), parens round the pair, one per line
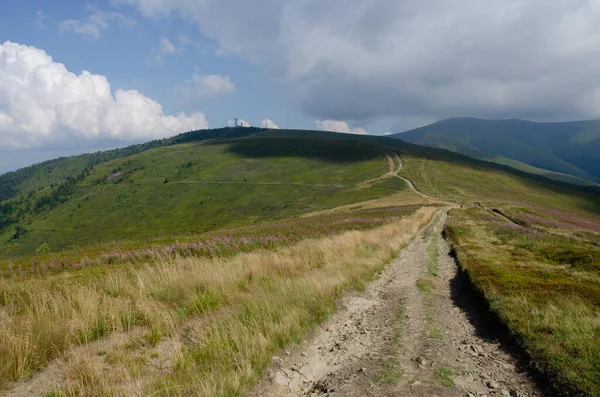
(518, 165)
(570, 148)
(58, 170)
(196, 187)
(190, 188)
(467, 182)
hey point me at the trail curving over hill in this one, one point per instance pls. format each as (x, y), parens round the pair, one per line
(394, 170)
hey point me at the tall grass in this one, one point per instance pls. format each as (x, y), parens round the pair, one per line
(231, 314)
(218, 243)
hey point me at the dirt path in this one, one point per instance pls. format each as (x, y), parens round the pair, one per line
(413, 331)
(412, 187)
(394, 170)
(391, 163)
(389, 174)
(400, 162)
(258, 183)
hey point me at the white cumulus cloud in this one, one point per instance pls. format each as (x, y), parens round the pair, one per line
(205, 87)
(338, 126)
(270, 124)
(43, 103)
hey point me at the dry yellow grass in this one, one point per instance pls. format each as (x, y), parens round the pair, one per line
(226, 316)
(406, 197)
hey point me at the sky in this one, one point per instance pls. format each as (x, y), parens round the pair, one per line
(80, 76)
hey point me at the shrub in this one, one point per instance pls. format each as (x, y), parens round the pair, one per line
(19, 232)
(43, 249)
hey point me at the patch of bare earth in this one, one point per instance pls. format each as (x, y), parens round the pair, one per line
(100, 363)
(395, 339)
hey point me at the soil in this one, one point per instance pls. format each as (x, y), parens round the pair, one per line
(395, 338)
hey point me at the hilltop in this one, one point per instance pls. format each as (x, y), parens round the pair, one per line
(566, 149)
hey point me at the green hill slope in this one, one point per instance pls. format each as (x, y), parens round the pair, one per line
(58, 170)
(176, 189)
(569, 148)
(195, 187)
(557, 176)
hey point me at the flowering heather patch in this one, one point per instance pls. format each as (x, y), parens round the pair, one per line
(512, 226)
(559, 219)
(545, 240)
(211, 245)
(531, 219)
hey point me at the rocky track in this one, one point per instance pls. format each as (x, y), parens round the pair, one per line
(415, 331)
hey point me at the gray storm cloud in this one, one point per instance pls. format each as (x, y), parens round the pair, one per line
(355, 60)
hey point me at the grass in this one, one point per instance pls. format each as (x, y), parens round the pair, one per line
(432, 254)
(536, 279)
(392, 372)
(427, 284)
(210, 186)
(219, 243)
(464, 182)
(223, 316)
(236, 183)
(445, 375)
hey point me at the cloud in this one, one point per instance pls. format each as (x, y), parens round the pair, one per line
(338, 126)
(209, 86)
(92, 26)
(357, 60)
(240, 123)
(40, 17)
(165, 47)
(44, 104)
(270, 124)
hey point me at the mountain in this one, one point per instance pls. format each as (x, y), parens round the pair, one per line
(202, 181)
(569, 148)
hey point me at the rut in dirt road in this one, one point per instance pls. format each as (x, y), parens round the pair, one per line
(413, 331)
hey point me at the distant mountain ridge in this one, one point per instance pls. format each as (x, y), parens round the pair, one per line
(567, 147)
